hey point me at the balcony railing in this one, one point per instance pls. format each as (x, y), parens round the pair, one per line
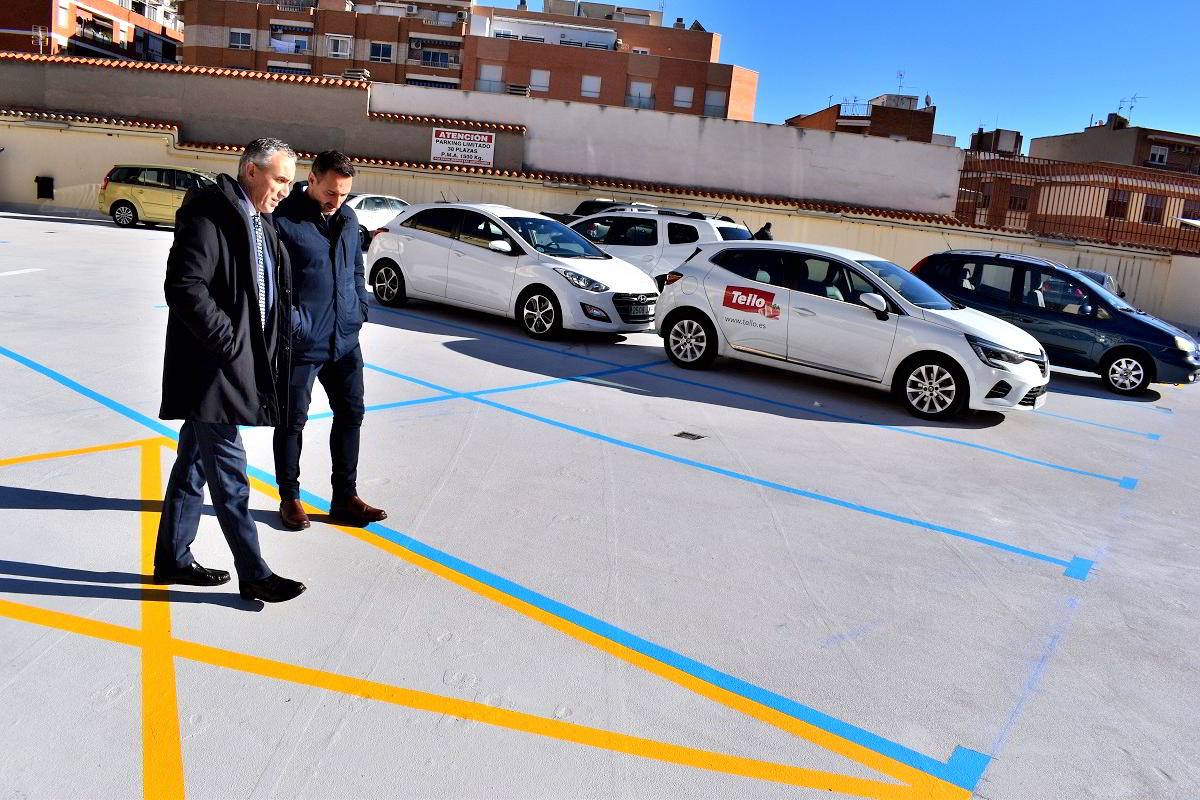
(425, 60)
(638, 101)
(496, 87)
(295, 5)
(854, 110)
(714, 111)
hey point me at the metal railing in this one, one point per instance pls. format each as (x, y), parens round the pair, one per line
(1110, 203)
(427, 60)
(854, 110)
(497, 87)
(638, 101)
(295, 5)
(714, 111)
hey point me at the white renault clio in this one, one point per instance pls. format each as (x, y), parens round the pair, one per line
(851, 316)
(509, 262)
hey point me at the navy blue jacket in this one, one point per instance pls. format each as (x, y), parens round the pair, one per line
(329, 292)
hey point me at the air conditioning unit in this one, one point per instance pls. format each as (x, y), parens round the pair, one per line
(462, 16)
(415, 44)
(412, 10)
(357, 74)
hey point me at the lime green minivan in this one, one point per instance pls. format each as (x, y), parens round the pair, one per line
(147, 193)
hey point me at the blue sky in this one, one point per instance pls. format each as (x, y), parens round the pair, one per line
(1039, 67)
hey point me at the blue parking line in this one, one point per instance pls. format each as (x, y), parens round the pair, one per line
(573, 379)
(964, 768)
(400, 404)
(1122, 482)
(1076, 568)
(1154, 437)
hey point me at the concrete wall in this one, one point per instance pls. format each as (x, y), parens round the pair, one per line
(78, 158)
(230, 110)
(1098, 143)
(683, 150)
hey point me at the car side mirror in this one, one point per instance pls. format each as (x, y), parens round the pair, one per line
(1088, 311)
(1121, 293)
(500, 246)
(876, 303)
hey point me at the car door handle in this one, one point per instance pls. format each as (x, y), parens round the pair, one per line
(1026, 320)
(804, 312)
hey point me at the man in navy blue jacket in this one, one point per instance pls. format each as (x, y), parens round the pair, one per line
(321, 235)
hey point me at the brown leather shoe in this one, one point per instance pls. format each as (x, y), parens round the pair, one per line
(355, 511)
(291, 513)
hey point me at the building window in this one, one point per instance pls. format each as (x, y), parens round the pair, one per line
(1158, 154)
(438, 59)
(640, 95)
(381, 52)
(338, 46)
(525, 38)
(1152, 210)
(590, 86)
(539, 80)
(1018, 198)
(62, 15)
(985, 195)
(239, 40)
(290, 69)
(642, 51)
(1191, 209)
(1117, 206)
(491, 78)
(714, 102)
(684, 96)
(431, 84)
(506, 35)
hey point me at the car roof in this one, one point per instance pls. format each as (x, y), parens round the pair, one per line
(1044, 262)
(358, 195)
(642, 212)
(495, 209)
(838, 252)
(163, 166)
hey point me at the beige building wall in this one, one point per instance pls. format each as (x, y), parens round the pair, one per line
(78, 157)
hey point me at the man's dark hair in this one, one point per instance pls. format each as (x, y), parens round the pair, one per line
(332, 160)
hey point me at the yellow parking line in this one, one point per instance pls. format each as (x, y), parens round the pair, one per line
(100, 448)
(926, 786)
(162, 748)
(464, 709)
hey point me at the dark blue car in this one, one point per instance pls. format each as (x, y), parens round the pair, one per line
(1080, 323)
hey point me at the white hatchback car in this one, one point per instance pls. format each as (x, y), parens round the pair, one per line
(656, 240)
(850, 316)
(510, 262)
(374, 211)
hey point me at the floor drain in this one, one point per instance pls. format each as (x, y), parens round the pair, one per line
(688, 435)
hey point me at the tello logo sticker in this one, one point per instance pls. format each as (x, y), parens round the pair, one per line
(753, 301)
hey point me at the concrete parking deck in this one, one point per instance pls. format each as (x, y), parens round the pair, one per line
(819, 594)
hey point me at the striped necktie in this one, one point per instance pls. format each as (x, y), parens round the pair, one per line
(260, 256)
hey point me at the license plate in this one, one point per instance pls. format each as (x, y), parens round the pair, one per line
(641, 311)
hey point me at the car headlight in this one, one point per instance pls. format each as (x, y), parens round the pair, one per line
(1185, 344)
(581, 281)
(994, 355)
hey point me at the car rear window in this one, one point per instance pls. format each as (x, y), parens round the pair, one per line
(734, 233)
(680, 233)
(441, 221)
(123, 174)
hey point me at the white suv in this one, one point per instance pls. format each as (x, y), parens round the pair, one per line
(850, 316)
(656, 240)
(509, 262)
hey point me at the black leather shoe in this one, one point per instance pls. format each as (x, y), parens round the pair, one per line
(192, 575)
(271, 589)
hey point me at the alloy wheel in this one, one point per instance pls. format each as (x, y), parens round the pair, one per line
(688, 340)
(123, 215)
(538, 314)
(387, 284)
(1126, 374)
(931, 388)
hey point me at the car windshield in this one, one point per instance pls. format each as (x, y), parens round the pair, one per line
(908, 286)
(1102, 293)
(553, 238)
(734, 233)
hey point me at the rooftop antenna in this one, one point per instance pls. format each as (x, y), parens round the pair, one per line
(899, 81)
(443, 194)
(1128, 103)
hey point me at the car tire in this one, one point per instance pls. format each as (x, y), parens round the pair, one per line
(1126, 373)
(932, 387)
(364, 238)
(539, 314)
(691, 341)
(661, 282)
(124, 214)
(387, 281)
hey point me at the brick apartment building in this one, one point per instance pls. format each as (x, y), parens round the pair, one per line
(582, 52)
(895, 116)
(1115, 141)
(140, 30)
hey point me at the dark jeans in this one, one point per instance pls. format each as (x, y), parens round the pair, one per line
(211, 454)
(343, 383)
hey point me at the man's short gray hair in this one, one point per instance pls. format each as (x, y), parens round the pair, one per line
(261, 151)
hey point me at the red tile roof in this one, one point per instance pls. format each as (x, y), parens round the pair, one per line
(411, 119)
(218, 72)
(592, 181)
